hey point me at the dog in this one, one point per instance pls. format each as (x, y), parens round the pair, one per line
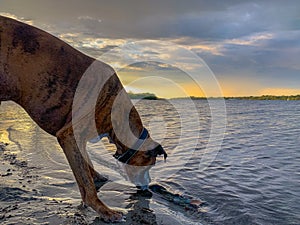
(43, 74)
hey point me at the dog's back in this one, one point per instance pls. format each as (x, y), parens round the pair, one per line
(39, 72)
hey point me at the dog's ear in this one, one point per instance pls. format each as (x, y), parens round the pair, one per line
(158, 151)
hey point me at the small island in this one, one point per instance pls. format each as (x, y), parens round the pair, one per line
(147, 96)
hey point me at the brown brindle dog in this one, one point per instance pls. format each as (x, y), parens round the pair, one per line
(42, 73)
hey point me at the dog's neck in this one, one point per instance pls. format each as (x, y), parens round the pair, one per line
(126, 139)
(125, 123)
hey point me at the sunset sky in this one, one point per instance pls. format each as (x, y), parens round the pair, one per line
(250, 47)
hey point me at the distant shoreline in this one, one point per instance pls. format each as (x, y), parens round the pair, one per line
(262, 97)
(151, 96)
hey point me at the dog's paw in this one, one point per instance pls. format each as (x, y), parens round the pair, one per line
(112, 216)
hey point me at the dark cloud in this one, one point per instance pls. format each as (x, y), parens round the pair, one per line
(156, 19)
(273, 62)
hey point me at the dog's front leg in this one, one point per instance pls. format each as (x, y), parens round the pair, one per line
(83, 176)
(98, 179)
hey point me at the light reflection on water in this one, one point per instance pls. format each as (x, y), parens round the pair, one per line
(253, 180)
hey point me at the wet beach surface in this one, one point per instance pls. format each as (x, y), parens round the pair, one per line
(22, 200)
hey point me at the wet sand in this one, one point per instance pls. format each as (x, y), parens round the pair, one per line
(22, 203)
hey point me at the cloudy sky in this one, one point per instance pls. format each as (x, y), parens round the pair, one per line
(250, 47)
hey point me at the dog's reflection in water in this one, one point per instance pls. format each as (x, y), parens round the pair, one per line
(138, 209)
(141, 212)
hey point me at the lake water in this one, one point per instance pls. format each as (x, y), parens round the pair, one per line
(253, 178)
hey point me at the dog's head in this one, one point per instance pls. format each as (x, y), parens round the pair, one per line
(137, 161)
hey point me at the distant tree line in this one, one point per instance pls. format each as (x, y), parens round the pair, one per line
(263, 97)
(268, 97)
(151, 96)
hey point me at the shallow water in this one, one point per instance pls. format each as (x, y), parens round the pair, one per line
(254, 178)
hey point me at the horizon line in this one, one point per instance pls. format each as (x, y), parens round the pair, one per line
(205, 97)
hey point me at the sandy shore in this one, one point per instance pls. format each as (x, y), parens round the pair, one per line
(22, 203)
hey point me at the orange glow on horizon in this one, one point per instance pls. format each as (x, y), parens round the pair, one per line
(230, 87)
(279, 91)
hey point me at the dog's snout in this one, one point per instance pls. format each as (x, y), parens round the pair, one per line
(157, 151)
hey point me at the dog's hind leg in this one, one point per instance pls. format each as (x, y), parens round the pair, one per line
(82, 172)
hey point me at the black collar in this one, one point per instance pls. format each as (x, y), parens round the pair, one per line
(126, 156)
